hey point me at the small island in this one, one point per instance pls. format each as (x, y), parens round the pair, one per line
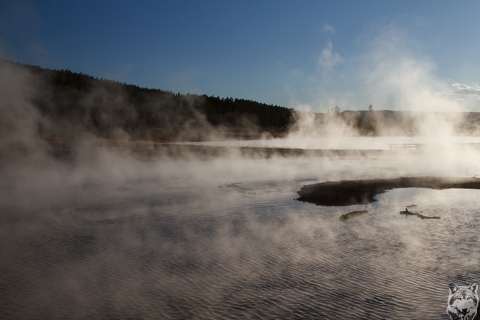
(351, 192)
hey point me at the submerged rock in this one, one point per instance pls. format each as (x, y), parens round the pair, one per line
(421, 216)
(351, 215)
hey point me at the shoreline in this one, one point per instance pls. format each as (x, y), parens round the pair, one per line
(145, 150)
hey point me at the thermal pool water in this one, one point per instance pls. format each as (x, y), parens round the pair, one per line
(226, 239)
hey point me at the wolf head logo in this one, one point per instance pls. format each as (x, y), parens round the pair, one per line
(462, 302)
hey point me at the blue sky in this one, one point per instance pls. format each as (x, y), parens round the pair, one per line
(399, 55)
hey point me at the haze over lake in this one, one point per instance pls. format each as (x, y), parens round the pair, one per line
(348, 143)
(239, 160)
(109, 236)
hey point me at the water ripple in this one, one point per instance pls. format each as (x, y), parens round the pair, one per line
(243, 257)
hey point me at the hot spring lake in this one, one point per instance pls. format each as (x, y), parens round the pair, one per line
(111, 237)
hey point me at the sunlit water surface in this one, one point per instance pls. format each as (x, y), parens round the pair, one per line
(227, 240)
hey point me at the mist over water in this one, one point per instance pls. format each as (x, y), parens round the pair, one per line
(347, 143)
(114, 237)
(106, 235)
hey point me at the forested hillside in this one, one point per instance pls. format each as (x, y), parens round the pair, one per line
(61, 103)
(76, 102)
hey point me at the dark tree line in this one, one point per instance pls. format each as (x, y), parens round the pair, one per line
(76, 102)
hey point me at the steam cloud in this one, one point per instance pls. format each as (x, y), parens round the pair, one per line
(109, 235)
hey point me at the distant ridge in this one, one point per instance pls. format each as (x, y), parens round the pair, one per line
(72, 104)
(79, 102)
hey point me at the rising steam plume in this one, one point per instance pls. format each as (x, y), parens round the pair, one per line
(104, 234)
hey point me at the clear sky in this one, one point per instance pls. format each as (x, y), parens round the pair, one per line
(304, 54)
